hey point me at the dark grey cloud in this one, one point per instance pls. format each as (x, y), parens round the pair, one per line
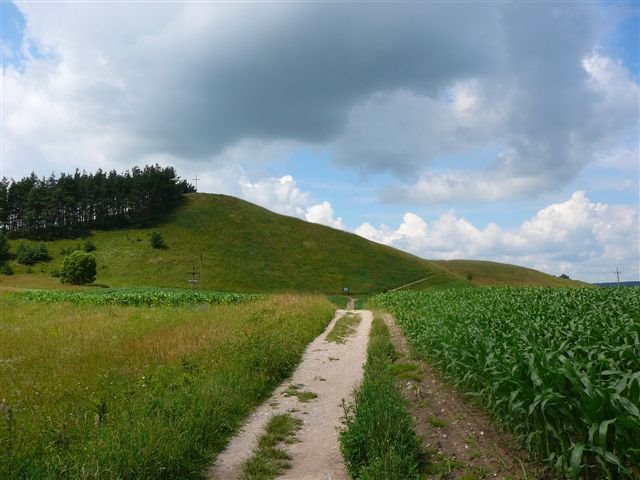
(298, 75)
(387, 87)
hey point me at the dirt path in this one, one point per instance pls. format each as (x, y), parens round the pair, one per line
(459, 436)
(329, 370)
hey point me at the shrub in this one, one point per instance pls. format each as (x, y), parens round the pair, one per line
(79, 268)
(89, 246)
(5, 269)
(30, 255)
(157, 241)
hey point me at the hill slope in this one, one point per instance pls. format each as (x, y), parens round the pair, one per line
(493, 273)
(244, 247)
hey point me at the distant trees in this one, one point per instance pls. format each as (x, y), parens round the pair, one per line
(5, 268)
(78, 268)
(68, 206)
(4, 246)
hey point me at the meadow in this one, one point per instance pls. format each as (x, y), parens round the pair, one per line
(558, 367)
(100, 389)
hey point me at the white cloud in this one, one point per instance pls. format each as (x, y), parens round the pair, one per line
(281, 195)
(579, 237)
(462, 185)
(323, 213)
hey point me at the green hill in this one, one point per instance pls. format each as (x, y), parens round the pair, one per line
(492, 273)
(238, 246)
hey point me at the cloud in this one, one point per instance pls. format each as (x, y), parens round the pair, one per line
(192, 79)
(461, 185)
(584, 239)
(281, 195)
(323, 213)
(389, 88)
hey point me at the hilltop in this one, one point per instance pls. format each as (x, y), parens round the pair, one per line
(239, 246)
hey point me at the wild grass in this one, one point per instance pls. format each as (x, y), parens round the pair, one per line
(270, 460)
(559, 367)
(110, 391)
(378, 441)
(344, 327)
(339, 301)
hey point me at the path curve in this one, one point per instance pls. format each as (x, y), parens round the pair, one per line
(330, 370)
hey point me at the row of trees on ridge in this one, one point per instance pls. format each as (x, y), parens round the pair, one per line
(70, 205)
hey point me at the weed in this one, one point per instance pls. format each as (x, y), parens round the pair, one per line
(343, 328)
(303, 396)
(436, 422)
(270, 460)
(406, 371)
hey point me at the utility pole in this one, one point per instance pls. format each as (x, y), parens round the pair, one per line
(193, 280)
(618, 272)
(200, 276)
(196, 180)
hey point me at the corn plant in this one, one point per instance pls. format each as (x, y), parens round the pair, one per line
(559, 367)
(136, 296)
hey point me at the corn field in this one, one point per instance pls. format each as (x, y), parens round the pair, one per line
(135, 296)
(558, 367)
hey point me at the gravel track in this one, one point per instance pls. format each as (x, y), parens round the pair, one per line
(331, 371)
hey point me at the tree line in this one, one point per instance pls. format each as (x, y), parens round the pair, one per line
(70, 205)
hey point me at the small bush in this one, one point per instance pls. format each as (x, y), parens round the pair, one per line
(5, 269)
(79, 268)
(88, 246)
(30, 255)
(157, 241)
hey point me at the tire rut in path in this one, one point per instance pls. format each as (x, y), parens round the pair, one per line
(331, 371)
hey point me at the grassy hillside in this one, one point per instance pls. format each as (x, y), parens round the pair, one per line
(485, 273)
(246, 248)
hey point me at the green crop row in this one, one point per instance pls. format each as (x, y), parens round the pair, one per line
(560, 368)
(135, 296)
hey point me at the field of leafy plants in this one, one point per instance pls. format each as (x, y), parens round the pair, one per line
(135, 296)
(558, 367)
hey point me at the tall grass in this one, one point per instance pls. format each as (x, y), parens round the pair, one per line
(378, 441)
(136, 392)
(559, 367)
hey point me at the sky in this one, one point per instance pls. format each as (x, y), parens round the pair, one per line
(504, 131)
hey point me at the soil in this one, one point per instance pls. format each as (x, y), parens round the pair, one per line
(460, 440)
(331, 371)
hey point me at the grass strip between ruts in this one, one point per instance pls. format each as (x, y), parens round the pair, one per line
(378, 440)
